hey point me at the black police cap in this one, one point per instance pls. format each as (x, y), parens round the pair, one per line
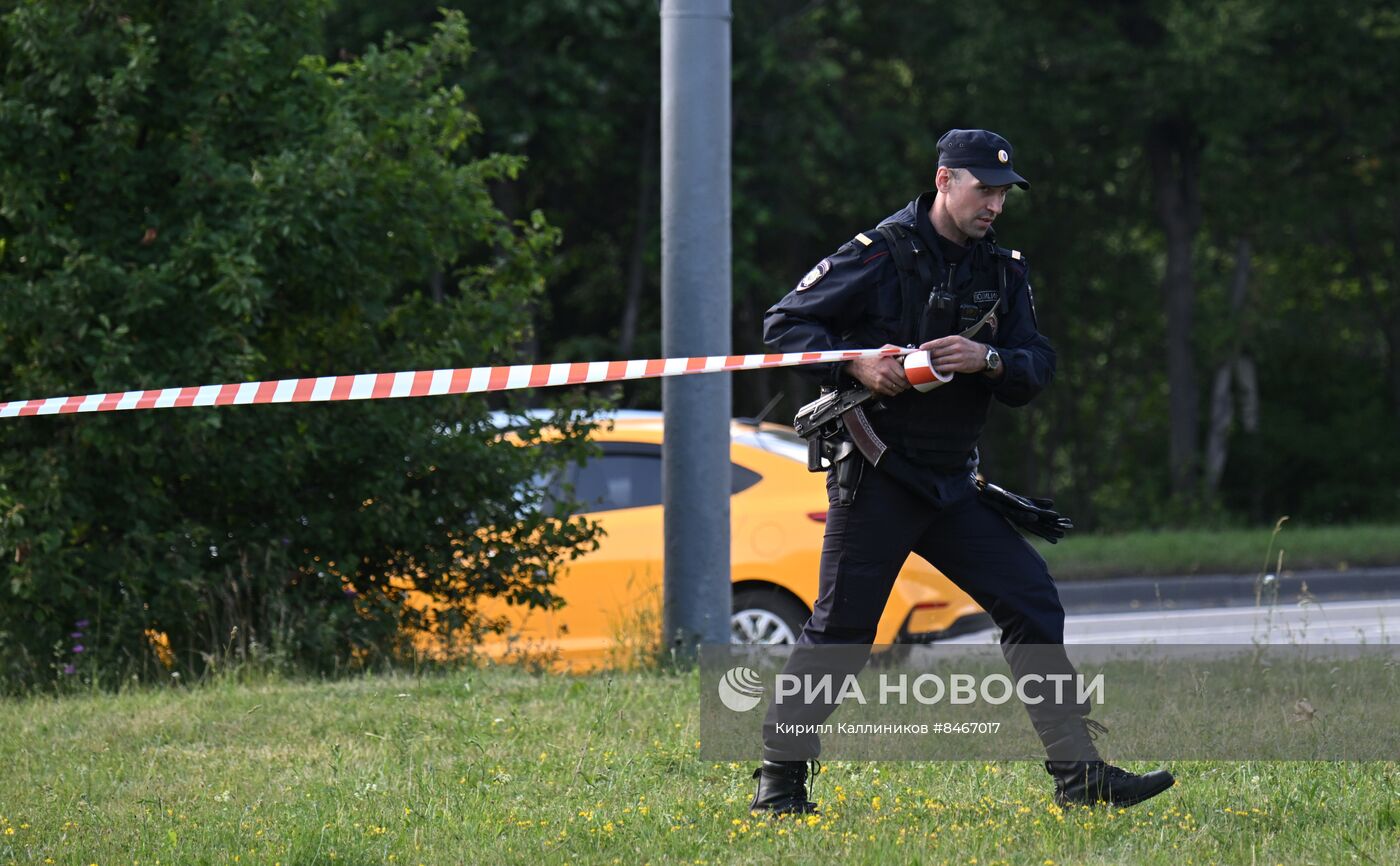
(985, 154)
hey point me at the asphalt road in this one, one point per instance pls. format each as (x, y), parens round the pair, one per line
(1372, 621)
(1123, 594)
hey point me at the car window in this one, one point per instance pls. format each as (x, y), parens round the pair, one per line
(742, 479)
(615, 481)
(628, 475)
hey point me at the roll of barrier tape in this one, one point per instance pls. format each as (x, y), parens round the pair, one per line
(918, 367)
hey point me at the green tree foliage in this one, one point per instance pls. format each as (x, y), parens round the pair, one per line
(572, 86)
(1204, 158)
(190, 194)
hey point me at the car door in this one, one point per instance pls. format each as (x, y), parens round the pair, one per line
(614, 593)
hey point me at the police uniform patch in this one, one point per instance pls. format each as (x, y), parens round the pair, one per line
(814, 275)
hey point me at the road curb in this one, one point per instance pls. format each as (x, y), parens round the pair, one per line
(1228, 590)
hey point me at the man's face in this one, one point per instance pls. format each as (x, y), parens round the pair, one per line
(970, 203)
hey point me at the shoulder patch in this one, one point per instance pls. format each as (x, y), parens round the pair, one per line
(814, 275)
(1016, 254)
(864, 240)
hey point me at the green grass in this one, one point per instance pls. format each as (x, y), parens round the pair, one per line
(499, 766)
(1222, 551)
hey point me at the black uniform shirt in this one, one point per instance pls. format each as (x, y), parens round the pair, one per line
(852, 300)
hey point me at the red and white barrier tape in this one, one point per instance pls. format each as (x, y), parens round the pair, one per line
(422, 383)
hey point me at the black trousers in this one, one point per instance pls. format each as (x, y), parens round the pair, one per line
(866, 545)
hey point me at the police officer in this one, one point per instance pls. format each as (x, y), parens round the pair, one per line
(932, 276)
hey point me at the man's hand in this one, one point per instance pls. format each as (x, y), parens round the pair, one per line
(956, 355)
(884, 376)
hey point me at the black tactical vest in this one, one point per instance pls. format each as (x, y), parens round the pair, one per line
(939, 430)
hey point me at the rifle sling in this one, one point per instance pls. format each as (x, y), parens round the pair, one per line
(987, 317)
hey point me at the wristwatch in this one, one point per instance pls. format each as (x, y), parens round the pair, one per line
(993, 360)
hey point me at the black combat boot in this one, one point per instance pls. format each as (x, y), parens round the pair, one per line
(1090, 783)
(1082, 778)
(782, 788)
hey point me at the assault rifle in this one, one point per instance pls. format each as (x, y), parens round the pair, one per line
(821, 423)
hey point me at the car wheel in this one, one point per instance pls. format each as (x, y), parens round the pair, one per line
(765, 616)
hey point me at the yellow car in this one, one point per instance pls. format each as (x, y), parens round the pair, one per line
(613, 595)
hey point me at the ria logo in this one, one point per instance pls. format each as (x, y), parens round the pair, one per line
(740, 689)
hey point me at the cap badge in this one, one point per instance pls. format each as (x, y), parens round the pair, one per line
(1003, 156)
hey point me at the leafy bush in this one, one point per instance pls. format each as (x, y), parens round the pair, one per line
(189, 195)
